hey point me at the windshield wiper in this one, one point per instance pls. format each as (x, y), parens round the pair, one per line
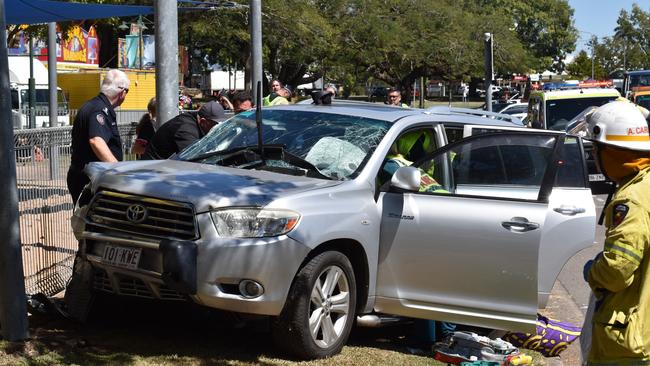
(250, 157)
(235, 151)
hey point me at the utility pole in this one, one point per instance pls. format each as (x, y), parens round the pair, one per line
(421, 91)
(51, 74)
(53, 102)
(13, 301)
(166, 19)
(489, 71)
(32, 85)
(140, 42)
(255, 7)
(593, 41)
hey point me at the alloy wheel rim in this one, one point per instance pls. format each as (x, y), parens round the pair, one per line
(329, 307)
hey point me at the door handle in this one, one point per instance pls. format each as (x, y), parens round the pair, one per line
(520, 224)
(569, 210)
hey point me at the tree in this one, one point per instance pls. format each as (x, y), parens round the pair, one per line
(581, 67)
(544, 27)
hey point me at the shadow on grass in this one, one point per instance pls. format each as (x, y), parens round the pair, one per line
(126, 332)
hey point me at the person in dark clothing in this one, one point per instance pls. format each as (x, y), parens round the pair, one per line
(95, 136)
(242, 101)
(145, 129)
(182, 130)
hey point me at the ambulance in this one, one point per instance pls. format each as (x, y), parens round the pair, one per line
(557, 104)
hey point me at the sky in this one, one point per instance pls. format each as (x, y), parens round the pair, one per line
(599, 17)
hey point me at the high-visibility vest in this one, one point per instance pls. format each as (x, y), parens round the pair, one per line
(278, 101)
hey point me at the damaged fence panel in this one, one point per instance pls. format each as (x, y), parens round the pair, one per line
(45, 206)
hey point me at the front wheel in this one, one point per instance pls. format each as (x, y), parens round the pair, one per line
(318, 316)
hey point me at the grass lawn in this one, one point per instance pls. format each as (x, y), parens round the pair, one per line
(142, 333)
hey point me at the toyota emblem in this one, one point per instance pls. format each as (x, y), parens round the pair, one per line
(136, 213)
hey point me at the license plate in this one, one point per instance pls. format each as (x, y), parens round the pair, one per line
(596, 178)
(121, 256)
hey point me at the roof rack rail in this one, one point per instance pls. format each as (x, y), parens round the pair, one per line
(474, 112)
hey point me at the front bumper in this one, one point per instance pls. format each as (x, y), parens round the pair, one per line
(208, 270)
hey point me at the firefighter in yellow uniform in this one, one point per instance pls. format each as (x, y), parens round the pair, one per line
(619, 276)
(409, 148)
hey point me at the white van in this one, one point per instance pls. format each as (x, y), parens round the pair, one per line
(19, 85)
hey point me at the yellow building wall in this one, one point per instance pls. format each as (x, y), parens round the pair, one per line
(84, 85)
(142, 89)
(79, 87)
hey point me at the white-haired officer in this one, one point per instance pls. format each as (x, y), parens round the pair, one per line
(95, 136)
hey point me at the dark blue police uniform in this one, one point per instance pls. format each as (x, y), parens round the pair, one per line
(96, 118)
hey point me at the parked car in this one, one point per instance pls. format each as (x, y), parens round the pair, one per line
(519, 110)
(495, 90)
(303, 229)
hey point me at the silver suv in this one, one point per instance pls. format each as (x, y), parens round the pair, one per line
(309, 229)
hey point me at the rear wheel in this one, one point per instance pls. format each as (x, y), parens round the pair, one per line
(320, 310)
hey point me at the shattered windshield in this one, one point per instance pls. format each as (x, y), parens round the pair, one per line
(337, 145)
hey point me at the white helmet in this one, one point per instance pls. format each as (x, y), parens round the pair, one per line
(619, 123)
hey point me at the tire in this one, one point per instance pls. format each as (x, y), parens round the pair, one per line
(333, 318)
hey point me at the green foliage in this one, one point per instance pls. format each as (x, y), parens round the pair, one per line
(627, 49)
(581, 67)
(544, 27)
(393, 41)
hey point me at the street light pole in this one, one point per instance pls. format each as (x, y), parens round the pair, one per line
(166, 23)
(140, 45)
(256, 48)
(592, 61)
(489, 71)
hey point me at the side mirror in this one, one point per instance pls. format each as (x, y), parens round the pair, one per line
(406, 178)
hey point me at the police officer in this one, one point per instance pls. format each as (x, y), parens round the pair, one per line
(276, 85)
(281, 97)
(395, 98)
(95, 136)
(618, 276)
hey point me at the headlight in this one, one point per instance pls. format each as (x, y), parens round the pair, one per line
(253, 222)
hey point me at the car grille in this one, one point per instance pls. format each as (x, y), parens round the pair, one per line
(142, 216)
(130, 286)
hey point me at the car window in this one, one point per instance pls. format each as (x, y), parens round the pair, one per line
(504, 165)
(559, 112)
(453, 133)
(643, 101)
(412, 145)
(571, 167)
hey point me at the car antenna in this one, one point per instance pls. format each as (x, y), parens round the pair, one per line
(258, 120)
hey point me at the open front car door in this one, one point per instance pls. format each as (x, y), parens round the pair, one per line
(484, 243)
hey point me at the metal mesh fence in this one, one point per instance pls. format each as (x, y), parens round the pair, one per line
(42, 161)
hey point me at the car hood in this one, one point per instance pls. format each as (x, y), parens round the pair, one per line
(205, 186)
